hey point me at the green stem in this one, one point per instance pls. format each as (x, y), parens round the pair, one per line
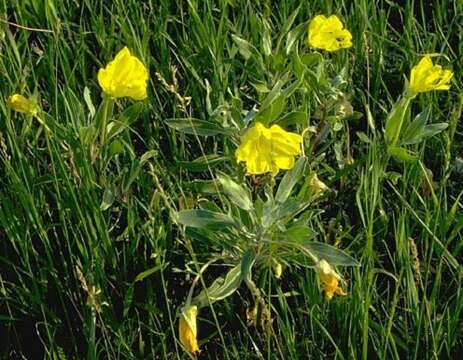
(91, 354)
(107, 113)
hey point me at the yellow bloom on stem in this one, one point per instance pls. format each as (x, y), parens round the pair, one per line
(328, 33)
(124, 76)
(22, 104)
(427, 77)
(268, 149)
(329, 279)
(187, 328)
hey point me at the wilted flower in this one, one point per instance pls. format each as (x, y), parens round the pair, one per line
(268, 149)
(187, 328)
(328, 33)
(124, 76)
(427, 77)
(277, 269)
(22, 104)
(317, 186)
(329, 279)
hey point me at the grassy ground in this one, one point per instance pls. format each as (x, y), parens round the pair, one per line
(77, 228)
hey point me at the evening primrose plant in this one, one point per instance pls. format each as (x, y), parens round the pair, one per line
(399, 130)
(254, 236)
(262, 226)
(124, 76)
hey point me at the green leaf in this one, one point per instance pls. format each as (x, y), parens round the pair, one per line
(312, 59)
(88, 101)
(203, 186)
(220, 288)
(299, 234)
(115, 148)
(331, 254)
(148, 155)
(273, 111)
(204, 219)
(413, 133)
(286, 27)
(131, 176)
(128, 298)
(247, 263)
(395, 120)
(266, 38)
(203, 163)
(128, 117)
(147, 273)
(434, 129)
(287, 209)
(290, 180)
(198, 127)
(364, 137)
(293, 118)
(294, 35)
(237, 193)
(245, 48)
(273, 94)
(108, 199)
(401, 154)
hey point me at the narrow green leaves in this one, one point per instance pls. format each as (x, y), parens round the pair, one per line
(401, 153)
(395, 121)
(220, 288)
(193, 126)
(418, 130)
(290, 180)
(206, 219)
(331, 254)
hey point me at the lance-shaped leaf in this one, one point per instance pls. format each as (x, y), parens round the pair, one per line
(418, 130)
(395, 121)
(401, 153)
(289, 180)
(224, 287)
(205, 219)
(220, 288)
(330, 253)
(197, 127)
(238, 194)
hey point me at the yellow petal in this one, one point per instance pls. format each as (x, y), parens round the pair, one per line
(427, 77)
(268, 149)
(285, 142)
(328, 33)
(332, 23)
(284, 162)
(316, 24)
(125, 76)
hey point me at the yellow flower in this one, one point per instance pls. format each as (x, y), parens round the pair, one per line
(328, 33)
(427, 77)
(22, 104)
(268, 149)
(124, 76)
(329, 278)
(187, 328)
